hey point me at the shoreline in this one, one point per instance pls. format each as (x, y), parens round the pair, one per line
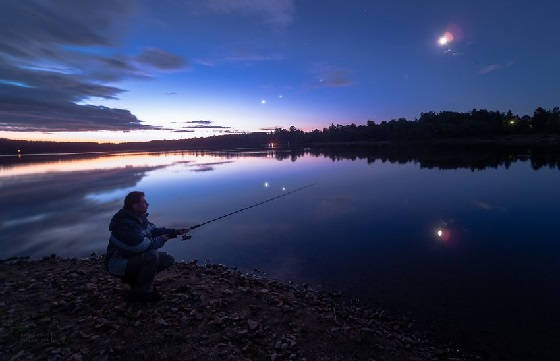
(539, 140)
(64, 308)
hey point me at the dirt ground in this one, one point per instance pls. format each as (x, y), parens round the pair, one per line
(69, 309)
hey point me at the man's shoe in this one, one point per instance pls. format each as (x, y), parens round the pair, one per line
(153, 296)
(143, 297)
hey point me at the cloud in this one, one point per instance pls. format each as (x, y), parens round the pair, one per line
(38, 100)
(204, 61)
(34, 27)
(198, 122)
(202, 126)
(49, 70)
(161, 59)
(29, 117)
(246, 53)
(490, 68)
(331, 77)
(487, 206)
(269, 128)
(275, 12)
(183, 131)
(243, 55)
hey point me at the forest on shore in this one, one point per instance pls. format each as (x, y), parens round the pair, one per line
(543, 126)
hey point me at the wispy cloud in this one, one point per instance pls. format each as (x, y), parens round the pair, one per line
(251, 56)
(490, 68)
(161, 59)
(198, 122)
(202, 126)
(331, 77)
(204, 61)
(487, 206)
(275, 12)
(245, 54)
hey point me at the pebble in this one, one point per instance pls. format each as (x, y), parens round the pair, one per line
(206, 310)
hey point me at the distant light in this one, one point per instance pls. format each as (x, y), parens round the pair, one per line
(283, 189)
(512, 122)
(271, 145)
(263, 101)
(19, 150)
(443, 234)
(445, 39)
(266, 185)
(280, 96)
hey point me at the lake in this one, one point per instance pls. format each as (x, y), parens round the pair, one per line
(465, 242)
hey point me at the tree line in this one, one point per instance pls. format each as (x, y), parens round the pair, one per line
(432, 126)
(429, 127)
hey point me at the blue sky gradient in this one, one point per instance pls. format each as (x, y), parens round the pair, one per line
(250, 65)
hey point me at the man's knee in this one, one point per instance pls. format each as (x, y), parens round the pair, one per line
(150, 258)
(165, 260)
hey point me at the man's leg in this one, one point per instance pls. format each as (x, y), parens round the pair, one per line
(165, 261)
(141, 270)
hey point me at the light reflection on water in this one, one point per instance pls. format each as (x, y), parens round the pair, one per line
(438, 241)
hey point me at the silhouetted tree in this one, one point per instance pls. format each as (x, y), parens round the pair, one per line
(429, 127)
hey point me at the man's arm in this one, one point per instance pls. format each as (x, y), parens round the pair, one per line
(158, 231)
(160, 235)
(130, 237)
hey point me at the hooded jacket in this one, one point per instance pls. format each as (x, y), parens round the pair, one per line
(131, 234)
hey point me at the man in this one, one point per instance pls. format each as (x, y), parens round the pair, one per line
(132, 251)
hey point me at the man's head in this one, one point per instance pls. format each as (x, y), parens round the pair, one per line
(135, 202)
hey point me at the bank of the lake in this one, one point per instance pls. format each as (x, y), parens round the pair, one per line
(265, 141)
(70, 309)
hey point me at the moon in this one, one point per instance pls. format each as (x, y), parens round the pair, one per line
(445, 39)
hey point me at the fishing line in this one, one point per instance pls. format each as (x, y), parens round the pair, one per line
(246, 208)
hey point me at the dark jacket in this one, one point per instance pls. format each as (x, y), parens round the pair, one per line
(131, 234)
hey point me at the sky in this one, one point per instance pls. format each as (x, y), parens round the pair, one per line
(130, 70)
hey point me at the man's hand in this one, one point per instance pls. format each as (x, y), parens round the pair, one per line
(168, 236)
(181, 231)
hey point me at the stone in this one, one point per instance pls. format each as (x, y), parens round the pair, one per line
(252, 324)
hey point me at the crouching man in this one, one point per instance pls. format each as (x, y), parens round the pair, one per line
(132, 253)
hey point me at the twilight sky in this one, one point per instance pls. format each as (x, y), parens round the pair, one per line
(140, 70)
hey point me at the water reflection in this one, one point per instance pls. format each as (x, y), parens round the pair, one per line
(57, 202)
(394, 226)
(60, 203)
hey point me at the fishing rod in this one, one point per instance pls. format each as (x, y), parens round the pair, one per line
(185, 236)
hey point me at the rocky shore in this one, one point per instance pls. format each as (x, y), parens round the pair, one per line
(70, 309)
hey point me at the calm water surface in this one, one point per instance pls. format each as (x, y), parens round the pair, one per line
(369, 227)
